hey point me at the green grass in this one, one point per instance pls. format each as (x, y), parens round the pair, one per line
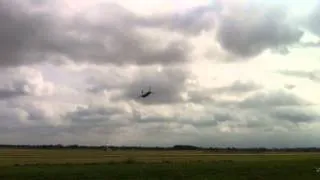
(98, 164)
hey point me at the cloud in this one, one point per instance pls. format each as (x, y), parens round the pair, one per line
(250, 28)
(24, 82)
(108, 78)
(116, 41)
(313, 20)
(93, 114)
(87, 37)
(312, 75)
(33, 112)
(191, 22)
(72, 71)
(239, 87)
(223, 95)
(10, 116)
(121, 38)
(310, 44)
(19, 33)
(272, 99)
(289, 86)
(294, 115)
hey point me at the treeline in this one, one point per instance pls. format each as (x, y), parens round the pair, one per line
(175, 147)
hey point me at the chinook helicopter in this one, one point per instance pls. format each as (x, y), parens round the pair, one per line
(146, 94)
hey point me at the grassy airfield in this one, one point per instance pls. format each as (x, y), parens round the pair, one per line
(140, 164)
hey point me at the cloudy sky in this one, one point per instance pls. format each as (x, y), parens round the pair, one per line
(224, 72)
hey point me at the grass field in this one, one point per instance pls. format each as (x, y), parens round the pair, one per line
(99, 164)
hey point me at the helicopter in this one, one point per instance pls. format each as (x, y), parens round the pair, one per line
(145, 94)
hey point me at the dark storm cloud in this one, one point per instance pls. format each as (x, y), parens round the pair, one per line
(33, 36)
(118, 44)
(30, 37)
(19, 32)
(255, 28)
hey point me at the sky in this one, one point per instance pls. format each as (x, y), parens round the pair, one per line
(224, 73)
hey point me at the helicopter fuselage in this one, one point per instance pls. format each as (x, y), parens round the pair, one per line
(146, 94)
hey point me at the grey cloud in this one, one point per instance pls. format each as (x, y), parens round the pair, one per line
(200, 96)
(98, 124)
(5, 93)
(44, 36)
(313, 22)
(294, 115)
(108, 78)
(19, 32)
(210, 118)
(10, 117)
(113, 43)
(23, 82)
(289, 86)
(256, 28)
(204, 123)
(61, 135)
(33, 113)
(40, 111)
(222, 116)
(312, 75)
(94, 125)
(271, 119)
(45, 134)
(38, 2)
(152, 119)
(216, 118)
(191, 22)
(239, 86)
(36, 114)
(310, 44)
(19, 113)
(31, 37)
(206, 97)
(18, 88)
(92, 115)
(272, 99)
(258, 124)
